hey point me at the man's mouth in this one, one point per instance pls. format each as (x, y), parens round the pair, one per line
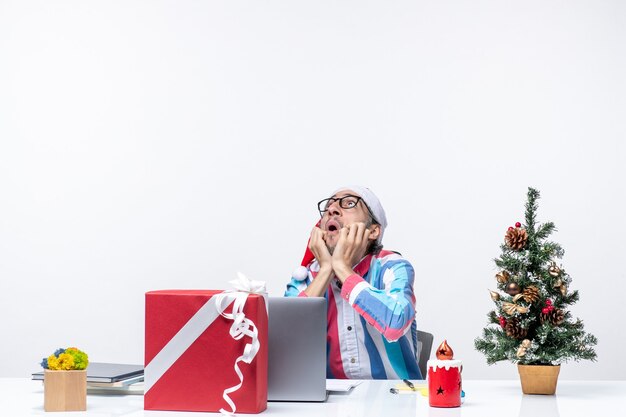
(333, 226)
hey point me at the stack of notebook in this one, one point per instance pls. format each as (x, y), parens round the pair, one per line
(110, 378)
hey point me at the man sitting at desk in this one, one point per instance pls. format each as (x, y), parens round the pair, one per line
(372, 332)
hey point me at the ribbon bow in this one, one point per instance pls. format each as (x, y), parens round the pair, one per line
(241, 327)
(511, 309)
(242, 283)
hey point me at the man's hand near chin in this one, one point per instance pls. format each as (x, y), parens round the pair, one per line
(317, 244)
(350, 249)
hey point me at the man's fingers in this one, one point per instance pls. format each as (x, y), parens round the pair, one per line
(315, 231)
(357, 231)
(317, 239)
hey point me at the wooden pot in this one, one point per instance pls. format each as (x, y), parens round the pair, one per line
(539, 379)
(65, 390)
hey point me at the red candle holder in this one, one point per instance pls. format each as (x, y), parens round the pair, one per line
(444, 383)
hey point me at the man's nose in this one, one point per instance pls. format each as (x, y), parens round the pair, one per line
(334, 209)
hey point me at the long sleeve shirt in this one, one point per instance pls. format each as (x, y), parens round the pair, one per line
(372, 333)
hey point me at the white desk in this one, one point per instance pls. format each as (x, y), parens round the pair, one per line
(24, 397)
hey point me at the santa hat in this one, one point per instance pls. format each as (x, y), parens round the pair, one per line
(373, 203)
(376, 210)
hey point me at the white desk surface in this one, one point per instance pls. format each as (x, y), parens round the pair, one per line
(24, 397)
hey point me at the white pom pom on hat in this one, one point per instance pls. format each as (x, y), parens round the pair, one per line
(300, 273)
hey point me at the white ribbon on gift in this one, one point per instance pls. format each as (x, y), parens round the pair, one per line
(241, 327)
(199, 322)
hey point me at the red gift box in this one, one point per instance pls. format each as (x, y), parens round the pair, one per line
(190, 355)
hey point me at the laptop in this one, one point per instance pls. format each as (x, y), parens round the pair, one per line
(107, 372)
(297, 349)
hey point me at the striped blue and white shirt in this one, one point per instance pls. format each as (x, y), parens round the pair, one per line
(372, 333)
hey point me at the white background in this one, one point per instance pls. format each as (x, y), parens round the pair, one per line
(169, 144)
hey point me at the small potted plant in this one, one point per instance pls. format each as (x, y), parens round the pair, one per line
(65, 380)
(531, 325)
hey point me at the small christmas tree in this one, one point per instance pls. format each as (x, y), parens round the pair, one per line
(532, 323)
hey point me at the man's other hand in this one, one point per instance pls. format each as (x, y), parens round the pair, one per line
(350, 249)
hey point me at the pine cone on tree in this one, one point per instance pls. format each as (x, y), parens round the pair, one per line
(513, 329)
(555, 316)
(531, 294)
(516, 238)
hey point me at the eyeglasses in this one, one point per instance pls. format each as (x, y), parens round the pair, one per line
(346, 202)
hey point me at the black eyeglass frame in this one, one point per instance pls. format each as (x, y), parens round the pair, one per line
(327, 202)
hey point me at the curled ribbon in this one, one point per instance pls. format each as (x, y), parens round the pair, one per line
(241, 327)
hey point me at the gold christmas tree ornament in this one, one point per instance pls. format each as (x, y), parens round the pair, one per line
(503, 277)
(512, 288)
(516, 238)
(521, 350)
(561, 286)
(511, 308)
(554, 270)
(494, 295)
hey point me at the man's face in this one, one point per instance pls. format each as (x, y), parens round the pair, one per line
(337, 217)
